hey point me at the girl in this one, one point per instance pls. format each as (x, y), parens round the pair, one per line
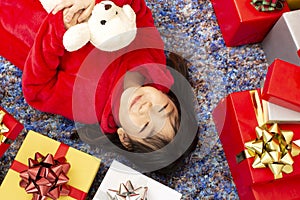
(126, 91)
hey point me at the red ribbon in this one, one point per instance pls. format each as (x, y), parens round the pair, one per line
(45, 176)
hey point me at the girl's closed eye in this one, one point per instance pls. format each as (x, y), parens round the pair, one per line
(144, 127)
(163, 108)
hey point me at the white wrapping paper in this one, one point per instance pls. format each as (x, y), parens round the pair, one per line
(283, 41)
(277, 114)
(119, 173)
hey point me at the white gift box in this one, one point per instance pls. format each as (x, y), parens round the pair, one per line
(277, 114)
(283, 41)
(119, 173)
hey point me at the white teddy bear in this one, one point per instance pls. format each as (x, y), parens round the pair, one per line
(109, 28)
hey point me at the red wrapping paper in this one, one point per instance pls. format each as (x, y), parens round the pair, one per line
(241, 23)
(14, 127)
(235, 120)
(282, 85)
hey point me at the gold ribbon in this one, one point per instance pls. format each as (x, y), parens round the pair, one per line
(3, 128)
(273, 147)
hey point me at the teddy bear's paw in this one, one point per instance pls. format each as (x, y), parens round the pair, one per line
(76, 37)
(129, 12)
(115, 42)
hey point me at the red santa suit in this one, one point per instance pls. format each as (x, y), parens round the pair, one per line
(78, 85)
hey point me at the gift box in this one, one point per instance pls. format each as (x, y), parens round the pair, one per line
(283, 40)
(238, 119)
(9, 130)
(119, 174)
(81, 173)
(282, 85)
(293, 4)
(241, 23)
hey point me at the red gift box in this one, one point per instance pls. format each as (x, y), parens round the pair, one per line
(282, 85)
(241, 23)
(14, 127)
(236, 119)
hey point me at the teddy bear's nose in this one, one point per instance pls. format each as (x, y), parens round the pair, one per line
(102, 22)
(107, 6)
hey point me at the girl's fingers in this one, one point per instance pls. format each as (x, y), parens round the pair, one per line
(62, 5)
(73, 7)
(73, 21)
(70, 13)
(65, 11)
(86, 13)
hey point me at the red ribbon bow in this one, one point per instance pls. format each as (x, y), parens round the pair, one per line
(46, 177)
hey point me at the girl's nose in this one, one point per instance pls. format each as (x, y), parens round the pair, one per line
(145, 107)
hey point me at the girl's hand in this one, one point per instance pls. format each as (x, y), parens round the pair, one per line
(73, 21)
(72, 7)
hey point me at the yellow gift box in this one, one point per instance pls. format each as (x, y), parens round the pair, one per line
(81, 174)
(293, 4)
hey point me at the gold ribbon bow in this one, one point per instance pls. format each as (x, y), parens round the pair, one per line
(3, 128)
(272, 147)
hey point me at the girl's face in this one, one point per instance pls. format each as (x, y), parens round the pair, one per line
(145, 111)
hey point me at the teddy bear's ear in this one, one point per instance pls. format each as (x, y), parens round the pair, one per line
(129, 12)
(76, 37)
(48, 5)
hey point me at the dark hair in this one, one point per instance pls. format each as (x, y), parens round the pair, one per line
(186, 138)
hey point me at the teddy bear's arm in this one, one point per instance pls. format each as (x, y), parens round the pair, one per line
(76, 37)
(129, 12)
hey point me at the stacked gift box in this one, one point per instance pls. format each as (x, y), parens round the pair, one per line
(242, 23)
(262, 147)
(249, 21)
(259, 129)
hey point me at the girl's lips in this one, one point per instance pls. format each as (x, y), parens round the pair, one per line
(136, 99)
